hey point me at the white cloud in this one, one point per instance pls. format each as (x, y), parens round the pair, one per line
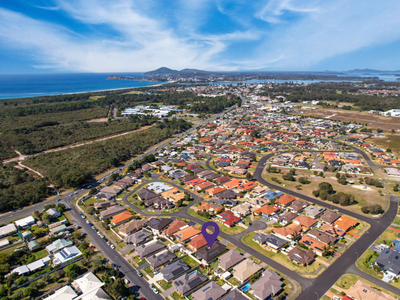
(333, 28)
(140, 35)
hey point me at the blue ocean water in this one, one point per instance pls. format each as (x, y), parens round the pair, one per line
(32, 85)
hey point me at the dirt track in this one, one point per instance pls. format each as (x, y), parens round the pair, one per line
(22, 157)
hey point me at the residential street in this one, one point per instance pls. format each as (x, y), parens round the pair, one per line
(310, 287)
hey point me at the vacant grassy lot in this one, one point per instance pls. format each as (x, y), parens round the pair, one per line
(391, 141)
(362, 197)
(372, 121)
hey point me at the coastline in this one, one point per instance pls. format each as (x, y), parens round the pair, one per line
(91, 91)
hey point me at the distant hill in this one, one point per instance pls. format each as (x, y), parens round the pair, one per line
(368, 71)
(168, 71)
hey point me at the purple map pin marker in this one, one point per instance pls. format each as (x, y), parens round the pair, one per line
(210, 237)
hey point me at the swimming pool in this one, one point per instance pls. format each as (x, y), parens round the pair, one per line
(246, 287)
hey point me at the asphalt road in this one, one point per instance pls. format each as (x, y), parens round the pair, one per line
(127, 269)
(312, 288)
(141, 284)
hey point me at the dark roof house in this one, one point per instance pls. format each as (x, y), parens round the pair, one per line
(173, 270)
(188, 282)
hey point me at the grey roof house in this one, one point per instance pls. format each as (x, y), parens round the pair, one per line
(173, 270)
(138, 237)
(157, 260)
(188, 282)
(207, 254)
(268, 285)
(230, 258)
(210, 291)
(389, 261)
(145, 250)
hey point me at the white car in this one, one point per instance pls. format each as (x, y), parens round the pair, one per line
(112, 246)
(126, 281)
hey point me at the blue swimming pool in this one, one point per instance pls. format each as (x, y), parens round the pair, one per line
(246, 287)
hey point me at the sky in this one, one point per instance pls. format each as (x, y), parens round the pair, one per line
(53, 36)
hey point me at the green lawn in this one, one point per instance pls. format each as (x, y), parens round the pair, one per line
(142, 262)
(92, 201)
(164, 285)
(190, 261)
(175, 296)
(388, 236)
(234, 281)
(229, 230)
(149, 271)
(397, 221)
(40, 254)
(280, 258)
(362, 264)
(346, 281)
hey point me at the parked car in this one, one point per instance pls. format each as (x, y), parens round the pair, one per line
(112, 246)
(139, 274)
(154, 289)
(126, 281)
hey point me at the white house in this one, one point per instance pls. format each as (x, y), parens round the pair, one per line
(65, 255)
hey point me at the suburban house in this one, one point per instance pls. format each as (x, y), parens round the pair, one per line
(7, 230)
(345, 223)
(287, 217)
(210, 291)
(207, 254)
(174, 270)
(25, 222)
(362, 291)
(389, 261)
(157, 225)
(65, 255)
(297, 206)
(267, 286)
(53, 213)
(305, 222)
(284, 200)
(149, 248)
(329, 217)
(210, 207)
(230, 259)
(321, 236)
(88, 287)
(138, 237)
(104, 204)
(58, 245)
(186, 234)
(267, 211)
(245, 269)
(333, 231)
(274, 243)
(234, 295)
(301, 257)
(131, 227)
(146, 194)
(288, 232)
(317, 246)
(162, 258)
(188, 282)
(174, 227)
(111, 211)
(314, 211)
(197, 243)
(242, 210)
(228, 218)
(121, 218)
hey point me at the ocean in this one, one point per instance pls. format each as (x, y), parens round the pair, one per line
(32, 85)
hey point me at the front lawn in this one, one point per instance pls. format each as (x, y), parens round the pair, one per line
(281, 258)
(164, 285)
(190, 261)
